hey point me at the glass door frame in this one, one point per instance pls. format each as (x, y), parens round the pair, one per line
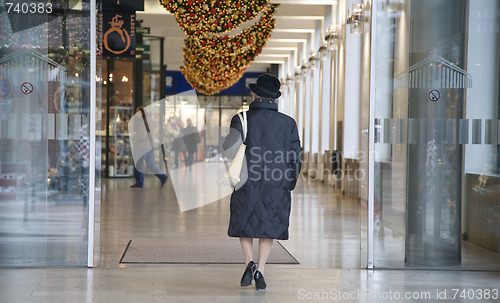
(484, 132)
(93, 232)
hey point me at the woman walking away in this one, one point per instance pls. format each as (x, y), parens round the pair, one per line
(260, 207)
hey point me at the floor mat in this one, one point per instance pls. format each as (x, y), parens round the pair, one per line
(181, 251)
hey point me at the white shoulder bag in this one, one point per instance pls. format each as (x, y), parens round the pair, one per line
(234, 170)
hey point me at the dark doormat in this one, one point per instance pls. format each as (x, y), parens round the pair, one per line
(181, 251)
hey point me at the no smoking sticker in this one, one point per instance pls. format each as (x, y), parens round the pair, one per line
(27, 88)
(434, 95)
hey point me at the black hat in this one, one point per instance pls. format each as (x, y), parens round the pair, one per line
(267, 86)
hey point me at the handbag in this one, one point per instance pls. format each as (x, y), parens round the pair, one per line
(234, 170)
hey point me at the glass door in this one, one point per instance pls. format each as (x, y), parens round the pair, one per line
(151, 59)
(118, 90)
(45, 135)
(436, 135)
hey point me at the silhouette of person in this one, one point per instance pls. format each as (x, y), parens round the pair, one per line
(148, 159)
(191, 138)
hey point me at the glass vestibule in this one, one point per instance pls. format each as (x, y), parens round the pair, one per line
(436, 134)
(45, 136)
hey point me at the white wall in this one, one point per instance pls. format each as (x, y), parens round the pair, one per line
(352, 92)
(483, 65)
(325, 110)
(326, 126)
(316, 93)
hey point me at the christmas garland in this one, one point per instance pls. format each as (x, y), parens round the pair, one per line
(214, 63)
(211, 62)
(197, 17)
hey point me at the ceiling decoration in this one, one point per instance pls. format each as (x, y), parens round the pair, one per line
(212, 62)
(215, 16)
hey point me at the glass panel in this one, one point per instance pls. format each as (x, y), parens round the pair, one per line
(391, 107)
(155, 55)
(437, 167)
(481, 208)
(213, 133)
(151, 88)
(119, 88)
(44, 137)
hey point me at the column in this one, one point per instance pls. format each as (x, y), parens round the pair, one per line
(437, 35)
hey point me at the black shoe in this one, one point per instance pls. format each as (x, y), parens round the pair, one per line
(246, 279)
(260, 283)
(136, 186)
(163, 181)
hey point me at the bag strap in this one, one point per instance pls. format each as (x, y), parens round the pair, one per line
(243, 120)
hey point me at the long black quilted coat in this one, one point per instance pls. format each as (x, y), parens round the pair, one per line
(260, 208)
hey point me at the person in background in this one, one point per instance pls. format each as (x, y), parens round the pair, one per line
(260, 208)
(149, 160)
(179, 148)
(191, 138)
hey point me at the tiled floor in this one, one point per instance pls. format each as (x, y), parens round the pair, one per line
(324, 238)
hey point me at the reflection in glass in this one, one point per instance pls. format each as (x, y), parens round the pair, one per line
(44, 141)
(437, 109)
